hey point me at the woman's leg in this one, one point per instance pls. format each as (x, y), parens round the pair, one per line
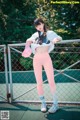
(50, 75)
(38, 74)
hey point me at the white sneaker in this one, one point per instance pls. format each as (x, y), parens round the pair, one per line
(43, 107)
(53, 109)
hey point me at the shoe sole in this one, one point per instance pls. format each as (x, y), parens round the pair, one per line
(44, 110)
(53, 112)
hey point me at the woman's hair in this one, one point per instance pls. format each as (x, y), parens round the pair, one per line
(37, 22)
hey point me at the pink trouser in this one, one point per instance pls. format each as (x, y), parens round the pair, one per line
(43, 60)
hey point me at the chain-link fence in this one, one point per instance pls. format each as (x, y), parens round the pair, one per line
(4, 89)
(66, 62)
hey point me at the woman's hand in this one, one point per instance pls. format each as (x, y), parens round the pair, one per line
(55, 40)
(27, 51)
(28, 43)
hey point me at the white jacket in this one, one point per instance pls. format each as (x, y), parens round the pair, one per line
(50, 37)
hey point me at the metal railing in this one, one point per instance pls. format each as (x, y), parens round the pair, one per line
(66, 61)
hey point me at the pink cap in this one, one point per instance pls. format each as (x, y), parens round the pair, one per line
(27, 52)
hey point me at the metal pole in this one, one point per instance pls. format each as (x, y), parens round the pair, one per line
(6, 72)
(10, 73)
(61, 42)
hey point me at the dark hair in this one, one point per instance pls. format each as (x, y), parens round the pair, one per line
(37, 22)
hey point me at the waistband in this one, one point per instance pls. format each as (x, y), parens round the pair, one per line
(41, 55)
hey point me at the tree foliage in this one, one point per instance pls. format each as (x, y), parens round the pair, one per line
(62, 18)
(16, 19)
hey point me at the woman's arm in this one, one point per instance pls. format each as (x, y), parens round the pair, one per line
(55, 40)
(32, 38)
(28, 43)
(53, 37)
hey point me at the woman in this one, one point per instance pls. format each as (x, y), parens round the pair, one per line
(41, 43)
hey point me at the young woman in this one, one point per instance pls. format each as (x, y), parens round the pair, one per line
(41, 43)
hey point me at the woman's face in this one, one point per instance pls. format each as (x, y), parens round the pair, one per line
(40, 27)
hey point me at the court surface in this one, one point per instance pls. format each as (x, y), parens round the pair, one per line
(26, 111)
(67, 90)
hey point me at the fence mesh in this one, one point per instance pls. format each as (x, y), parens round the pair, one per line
(3, 74)
(66, 62)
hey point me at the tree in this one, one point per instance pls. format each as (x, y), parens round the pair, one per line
(16, 20)
(61, 18)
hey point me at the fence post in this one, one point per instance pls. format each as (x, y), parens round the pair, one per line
(6, 71)
(10, 96)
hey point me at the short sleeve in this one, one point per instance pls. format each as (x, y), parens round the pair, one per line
(33, 37)
(51, 35)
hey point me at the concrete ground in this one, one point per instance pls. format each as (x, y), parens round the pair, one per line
(24, 111)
